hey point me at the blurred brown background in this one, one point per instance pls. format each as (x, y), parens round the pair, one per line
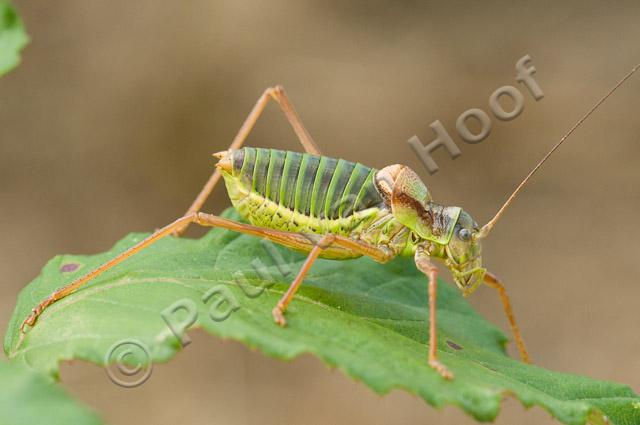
(108, 125)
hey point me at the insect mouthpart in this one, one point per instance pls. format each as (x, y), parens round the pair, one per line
(466, 269)
(473, 279)
(469, 279)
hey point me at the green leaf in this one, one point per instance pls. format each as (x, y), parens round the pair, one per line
(27, 398)
(12, 37)
(366, 319)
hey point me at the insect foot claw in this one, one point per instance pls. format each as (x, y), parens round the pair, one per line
(278, 316)
(441, 369)
(29, 321)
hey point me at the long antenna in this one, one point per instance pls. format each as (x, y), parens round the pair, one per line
(487, 227)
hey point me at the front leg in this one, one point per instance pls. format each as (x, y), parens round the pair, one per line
(425, 265)
(492, 280)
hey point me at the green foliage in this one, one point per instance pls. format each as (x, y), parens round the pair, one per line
(27, 398)
(366, 319)
(12, 37)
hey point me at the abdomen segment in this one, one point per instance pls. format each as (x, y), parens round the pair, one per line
(314, 186)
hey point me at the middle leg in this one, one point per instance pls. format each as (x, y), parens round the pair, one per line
(326, 241)
(425, 265)
(281, 307)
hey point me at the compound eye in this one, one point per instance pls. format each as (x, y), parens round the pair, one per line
(464, 235)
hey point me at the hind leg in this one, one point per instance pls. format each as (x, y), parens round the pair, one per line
(289, 239)
(272, 93)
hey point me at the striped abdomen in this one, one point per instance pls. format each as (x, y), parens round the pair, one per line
(314, 186)
(306, 193)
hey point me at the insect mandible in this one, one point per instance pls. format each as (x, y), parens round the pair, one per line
(352, 210)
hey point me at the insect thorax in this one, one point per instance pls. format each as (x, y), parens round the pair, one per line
(306, 193)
